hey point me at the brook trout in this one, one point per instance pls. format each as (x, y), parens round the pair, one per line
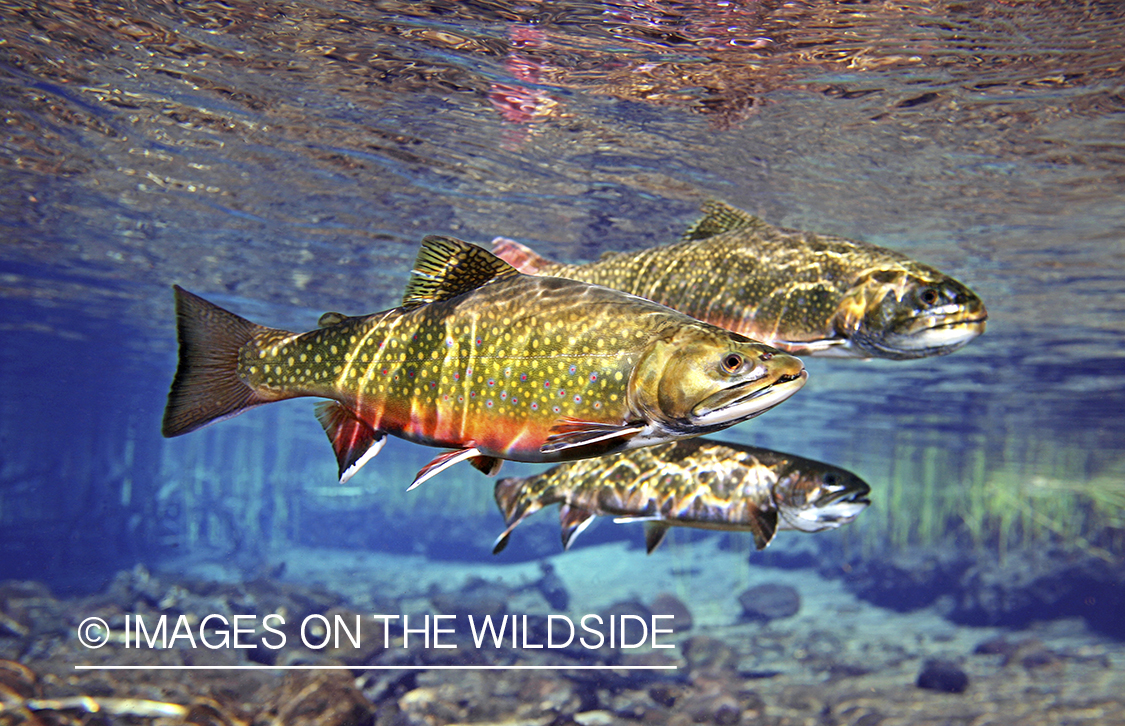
(805, 293)
(696, 483)
(480, 358)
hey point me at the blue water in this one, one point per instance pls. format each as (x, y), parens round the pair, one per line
(286, 160)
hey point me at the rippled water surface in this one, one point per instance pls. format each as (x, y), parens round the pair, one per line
(285, 158)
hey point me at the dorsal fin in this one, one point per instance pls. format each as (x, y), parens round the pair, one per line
(447, 267)
(719, 217)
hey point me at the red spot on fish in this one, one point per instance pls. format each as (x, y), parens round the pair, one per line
(491, 382)
(546, 384)
(456, 376)
(534, 406)
(593, 376)
(578, 399)
(523, 376)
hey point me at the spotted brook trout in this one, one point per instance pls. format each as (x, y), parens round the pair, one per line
(484, 360)
(694, 483)
(806, 293)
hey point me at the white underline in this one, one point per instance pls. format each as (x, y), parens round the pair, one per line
(372, 668)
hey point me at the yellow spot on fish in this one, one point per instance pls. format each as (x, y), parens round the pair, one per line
(333, 350)
(291, 361)
(317, 358)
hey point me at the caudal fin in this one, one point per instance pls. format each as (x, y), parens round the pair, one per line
(521, 257)
(207, 387)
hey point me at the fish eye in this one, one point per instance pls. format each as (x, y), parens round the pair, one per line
(732, 362)
(929, 296)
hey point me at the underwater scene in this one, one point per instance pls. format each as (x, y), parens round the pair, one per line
(801, 322)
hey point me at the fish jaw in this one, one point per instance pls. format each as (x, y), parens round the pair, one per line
(722, 410)
(938, 334)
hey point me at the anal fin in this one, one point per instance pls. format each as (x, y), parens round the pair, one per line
(571, 434)
(354, 441)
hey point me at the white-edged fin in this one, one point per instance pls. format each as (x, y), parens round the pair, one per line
(571, 434)
(574, 521)
(630, 520)
(502, 541)
(654, 534)
(353, 440)
(367, 456)
(440, 463)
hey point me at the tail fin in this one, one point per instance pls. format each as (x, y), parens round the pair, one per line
(521, 257)
(207, 387)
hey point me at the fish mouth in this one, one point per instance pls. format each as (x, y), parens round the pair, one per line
(828, 512)
(727, 407)
(929, 335)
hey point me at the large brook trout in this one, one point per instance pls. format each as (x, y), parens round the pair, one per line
(696, 483)
(484, 360)
(806, 293)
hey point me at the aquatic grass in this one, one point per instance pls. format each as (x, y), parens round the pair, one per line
(999, 490)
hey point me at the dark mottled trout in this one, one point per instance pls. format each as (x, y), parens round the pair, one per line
(487, 361)
(806, 293)
(696, 483)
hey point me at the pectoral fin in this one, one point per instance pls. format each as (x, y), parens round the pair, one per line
(764, 527)
(354, 441)
(574, 520)
(441, 462)
(654, 534)
(572, 434)
(825, 347)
